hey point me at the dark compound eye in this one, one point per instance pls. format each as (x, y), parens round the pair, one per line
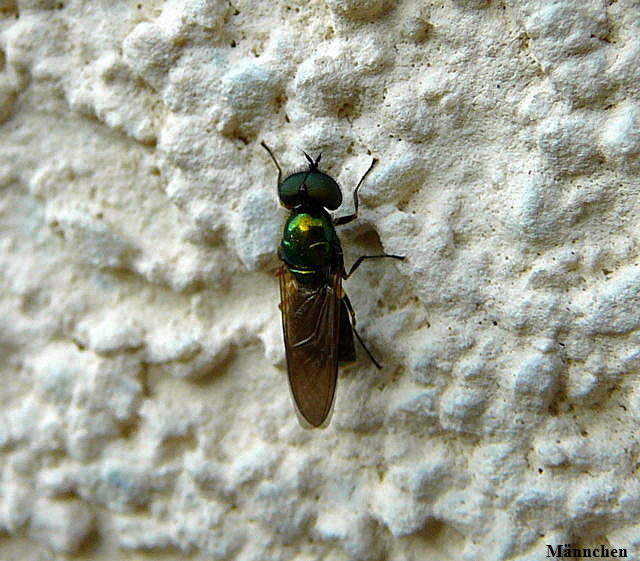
(320, 188)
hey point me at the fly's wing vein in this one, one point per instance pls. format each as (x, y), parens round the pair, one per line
(311, 320)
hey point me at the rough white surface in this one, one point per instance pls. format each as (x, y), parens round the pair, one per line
(144, 410)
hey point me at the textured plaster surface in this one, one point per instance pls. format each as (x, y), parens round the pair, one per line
(144, 409)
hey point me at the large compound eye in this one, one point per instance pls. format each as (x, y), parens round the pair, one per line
(320, 188)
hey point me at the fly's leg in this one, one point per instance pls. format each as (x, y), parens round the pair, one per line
(363, 257)
(347, 302)
(274, 161)
(351, 217)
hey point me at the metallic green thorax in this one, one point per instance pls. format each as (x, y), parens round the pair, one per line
(307, 245)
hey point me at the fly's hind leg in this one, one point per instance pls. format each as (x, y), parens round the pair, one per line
(349, 307)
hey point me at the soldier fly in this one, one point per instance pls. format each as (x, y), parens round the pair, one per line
(317, 317)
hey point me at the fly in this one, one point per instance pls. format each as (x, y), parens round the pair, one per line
(317, 317)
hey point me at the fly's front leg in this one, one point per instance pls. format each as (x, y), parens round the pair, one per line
(352, 217)
(274, 161)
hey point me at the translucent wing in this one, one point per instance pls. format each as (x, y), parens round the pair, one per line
(311, 322)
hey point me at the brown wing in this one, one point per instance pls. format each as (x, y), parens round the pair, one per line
(311, 322)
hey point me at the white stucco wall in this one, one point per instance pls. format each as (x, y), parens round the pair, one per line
(144, 407)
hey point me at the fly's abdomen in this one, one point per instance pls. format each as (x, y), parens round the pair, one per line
(307, 245)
